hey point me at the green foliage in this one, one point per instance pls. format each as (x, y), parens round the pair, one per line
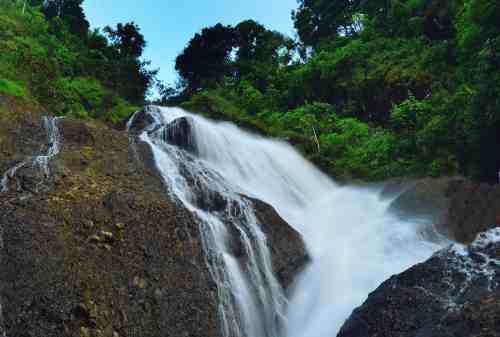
(48, 54)
(12, 88)
(317, 20)
(357, 150)
(383, 88)
(213, 106)
(220, 55)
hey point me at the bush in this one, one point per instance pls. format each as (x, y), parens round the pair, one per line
(12, 88)
(68, 73)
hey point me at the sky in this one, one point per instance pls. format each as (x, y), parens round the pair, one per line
(168, 25)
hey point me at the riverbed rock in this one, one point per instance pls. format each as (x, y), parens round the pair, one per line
(103, 250)
(454, 293)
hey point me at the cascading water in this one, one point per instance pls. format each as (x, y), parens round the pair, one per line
(40, 161)
(354, 241)
(251, 301)
(54, 144)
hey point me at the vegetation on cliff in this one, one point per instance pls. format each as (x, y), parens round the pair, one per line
(372, 89)
(369, 89)
(48, 55)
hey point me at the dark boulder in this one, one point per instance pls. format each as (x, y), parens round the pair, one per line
(455, 206)
(288, 253)
(425, 198)
(425, 201)
(455, 293)
(139, 121)
(473, 208)
(180, 133)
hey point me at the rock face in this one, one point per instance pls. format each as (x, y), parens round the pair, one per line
(138, 121)
(455, 293)
(456, 207)
(473, 208)
(100, 250)
(425, 198)
(179, 133)
(287, 248)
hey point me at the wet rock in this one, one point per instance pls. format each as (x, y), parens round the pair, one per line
(180, 133)
(140, 120)
(395, 187)
(455, 206)
(288, 253)
(95, 239)
(473, 208)
(454, 293)
(107, 237)
(424, 198)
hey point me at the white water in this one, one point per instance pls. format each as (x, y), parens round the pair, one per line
(354, 241)
(40, 161)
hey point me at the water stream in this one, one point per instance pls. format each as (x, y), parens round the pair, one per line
(40, 161)
(355, 243)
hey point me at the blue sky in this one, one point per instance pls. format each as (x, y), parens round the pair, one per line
(169, 24)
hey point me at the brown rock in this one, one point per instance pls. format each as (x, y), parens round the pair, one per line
(474, 208)
(48, 268)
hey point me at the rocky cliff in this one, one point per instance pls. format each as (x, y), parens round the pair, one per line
(455, 293)
(473, 208)
(93, 246)
(457, 207)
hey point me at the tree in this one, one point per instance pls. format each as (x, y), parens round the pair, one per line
(255, 43)
(129, 74)
(259, 51)
(70, 11)
(317, 21)
(206, 61)
(435, 19)
(127, 39)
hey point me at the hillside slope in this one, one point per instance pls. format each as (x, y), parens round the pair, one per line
(92, 245)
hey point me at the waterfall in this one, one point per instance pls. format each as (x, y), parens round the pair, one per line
(40, 161)
(54, 144)
(251, 301)
(354, 241)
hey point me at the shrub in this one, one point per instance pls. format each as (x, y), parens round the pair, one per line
(12, 88)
